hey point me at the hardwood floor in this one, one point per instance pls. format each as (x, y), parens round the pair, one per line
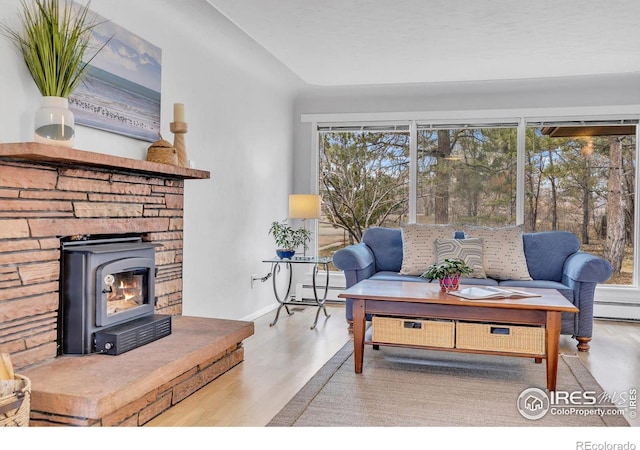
(279, 360)
(614, 357)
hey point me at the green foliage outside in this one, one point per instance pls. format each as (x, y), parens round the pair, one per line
(364, 180)
(469, 176)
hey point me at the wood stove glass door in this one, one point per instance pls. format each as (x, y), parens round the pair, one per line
(124, 290)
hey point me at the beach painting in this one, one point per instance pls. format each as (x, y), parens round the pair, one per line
(121, 92)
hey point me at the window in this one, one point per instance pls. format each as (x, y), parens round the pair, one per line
(364, 182)
(581, 178)
(578, 176)
(466, 175)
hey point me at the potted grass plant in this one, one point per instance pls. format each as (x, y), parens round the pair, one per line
(54, 42)
(288, 239)
(448, 273)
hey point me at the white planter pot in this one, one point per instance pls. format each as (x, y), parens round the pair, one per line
(54, 122)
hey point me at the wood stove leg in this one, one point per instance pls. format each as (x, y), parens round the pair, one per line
(583, 343)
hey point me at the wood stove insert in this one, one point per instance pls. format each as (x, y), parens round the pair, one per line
(107, 299)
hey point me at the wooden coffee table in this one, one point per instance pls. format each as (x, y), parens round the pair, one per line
(425, 300)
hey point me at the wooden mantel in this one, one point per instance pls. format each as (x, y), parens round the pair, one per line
(35, 152)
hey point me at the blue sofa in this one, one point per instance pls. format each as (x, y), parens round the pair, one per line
(553, 258)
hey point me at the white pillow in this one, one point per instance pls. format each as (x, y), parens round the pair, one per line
(469, 250)
(502, 250)
(418, 246)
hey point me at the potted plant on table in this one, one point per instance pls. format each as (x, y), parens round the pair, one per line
(448, 273)
(288, 239)
(53, 42)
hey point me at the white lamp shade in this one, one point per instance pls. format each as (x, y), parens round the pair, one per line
(304, 206)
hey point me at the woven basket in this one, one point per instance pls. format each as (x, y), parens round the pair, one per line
(428, 333)
(500, 338)
(163, 152)
(163, 155)
(16, 407)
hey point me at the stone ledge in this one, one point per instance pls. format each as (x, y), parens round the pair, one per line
(134, 387)
(35, 152)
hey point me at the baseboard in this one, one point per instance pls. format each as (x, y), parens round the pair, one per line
(261, 312)
(613, 310)
(337, 284)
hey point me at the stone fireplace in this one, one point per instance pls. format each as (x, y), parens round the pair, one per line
(48, 193)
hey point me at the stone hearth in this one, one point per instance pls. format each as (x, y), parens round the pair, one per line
(132, 388)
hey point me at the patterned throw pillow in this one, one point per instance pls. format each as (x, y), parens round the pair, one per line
(503, 251)
(468, 250)
(419, 248)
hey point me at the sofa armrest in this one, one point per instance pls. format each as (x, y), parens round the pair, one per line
(585, 267)
(354, 257)
(357, 262)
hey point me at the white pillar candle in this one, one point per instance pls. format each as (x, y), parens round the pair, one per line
(178, 112)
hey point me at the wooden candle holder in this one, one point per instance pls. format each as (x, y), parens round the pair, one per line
(179, 129)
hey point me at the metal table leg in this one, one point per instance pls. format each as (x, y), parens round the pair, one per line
(320, 303)
(275, 270)
(317, 301)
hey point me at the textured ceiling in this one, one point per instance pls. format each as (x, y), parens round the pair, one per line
(363, 42)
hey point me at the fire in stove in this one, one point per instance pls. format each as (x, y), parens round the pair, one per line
(124, 291)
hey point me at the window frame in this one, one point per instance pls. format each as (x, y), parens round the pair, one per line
(611, 300)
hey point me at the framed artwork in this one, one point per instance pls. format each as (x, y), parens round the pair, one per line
(121, 92)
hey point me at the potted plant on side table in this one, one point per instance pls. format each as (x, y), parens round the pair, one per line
(288, 239)
(448, 273)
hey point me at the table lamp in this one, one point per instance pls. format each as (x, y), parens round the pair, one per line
(304, 206)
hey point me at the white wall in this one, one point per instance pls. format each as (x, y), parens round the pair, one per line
(239, 109)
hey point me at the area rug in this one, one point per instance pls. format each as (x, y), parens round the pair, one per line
(413, 388)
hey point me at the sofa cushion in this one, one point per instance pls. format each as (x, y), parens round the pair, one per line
(540, 284)
(395, 276)
(502, 250)
(478, 282)
(386, 246)
(419, 248)
(468, 250)
(547, 251)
